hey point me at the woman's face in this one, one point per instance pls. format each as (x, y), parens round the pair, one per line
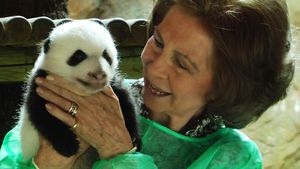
(177, 68)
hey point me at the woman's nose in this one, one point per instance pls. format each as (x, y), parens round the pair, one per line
(159, 67)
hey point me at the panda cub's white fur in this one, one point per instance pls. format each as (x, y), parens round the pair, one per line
(89, 37)
(83, 52)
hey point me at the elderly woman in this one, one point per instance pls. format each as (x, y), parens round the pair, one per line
(210, 67)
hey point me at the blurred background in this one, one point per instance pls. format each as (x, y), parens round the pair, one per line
(277, 132)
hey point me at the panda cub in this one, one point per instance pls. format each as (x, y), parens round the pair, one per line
(82, 52)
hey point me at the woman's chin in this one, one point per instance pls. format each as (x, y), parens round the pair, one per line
(153, 106)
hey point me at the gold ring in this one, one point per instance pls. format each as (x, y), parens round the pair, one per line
(73, 110)
(74, 126)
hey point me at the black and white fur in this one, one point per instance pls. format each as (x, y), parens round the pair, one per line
(82, 52)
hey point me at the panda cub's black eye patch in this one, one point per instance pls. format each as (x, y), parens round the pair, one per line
(106, 57)
(76, 58)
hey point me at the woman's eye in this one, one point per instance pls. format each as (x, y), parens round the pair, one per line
(158, 43)
(180, 64)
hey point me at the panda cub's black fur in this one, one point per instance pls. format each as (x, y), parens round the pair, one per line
(83, 52)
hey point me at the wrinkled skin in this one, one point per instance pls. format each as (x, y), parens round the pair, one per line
(101, 125)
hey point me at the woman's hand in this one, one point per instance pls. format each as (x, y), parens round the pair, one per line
(99, 119)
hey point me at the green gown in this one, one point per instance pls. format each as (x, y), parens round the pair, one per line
(162, 148)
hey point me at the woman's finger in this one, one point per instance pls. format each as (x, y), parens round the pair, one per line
(61, 82)
(54, 98)
(56, 89)
(108, 91)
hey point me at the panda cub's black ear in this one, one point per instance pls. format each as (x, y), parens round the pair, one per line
(46, 45)
(97, 21)
(63, 22)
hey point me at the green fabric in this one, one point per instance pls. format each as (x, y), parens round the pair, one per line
(10, 152)
(127, 161)
(226, 148)
(164, 149)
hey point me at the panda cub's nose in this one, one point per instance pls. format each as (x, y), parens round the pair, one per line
(97, 75)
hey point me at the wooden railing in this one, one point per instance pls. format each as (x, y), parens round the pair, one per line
(19, 38)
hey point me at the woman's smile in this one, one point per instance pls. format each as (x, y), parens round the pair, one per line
(156, 90)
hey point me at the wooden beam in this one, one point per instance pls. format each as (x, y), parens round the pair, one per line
(19, 38)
